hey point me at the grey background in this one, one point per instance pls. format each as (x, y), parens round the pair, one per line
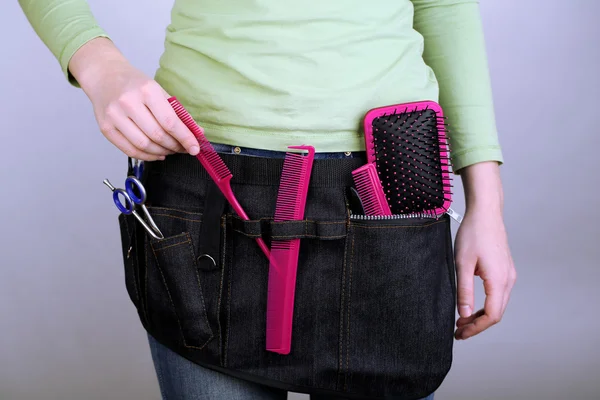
(67, 329)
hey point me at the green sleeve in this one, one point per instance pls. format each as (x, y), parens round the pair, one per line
(455, 51)
(64, 26)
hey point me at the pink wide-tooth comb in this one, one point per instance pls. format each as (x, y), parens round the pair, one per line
(291, 201)
(213, 164)
(370, 190)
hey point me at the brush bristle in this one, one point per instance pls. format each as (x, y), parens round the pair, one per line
(412, 158)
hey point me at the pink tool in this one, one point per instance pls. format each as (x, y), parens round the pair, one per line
(410, 150)
(291, 201)
(370, 190)
(213, 164)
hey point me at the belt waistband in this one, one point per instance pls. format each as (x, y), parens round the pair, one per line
(261, 171)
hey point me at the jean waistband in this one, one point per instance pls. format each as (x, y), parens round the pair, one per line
(246, 151)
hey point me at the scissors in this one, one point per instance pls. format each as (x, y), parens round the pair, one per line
(134, 195)
(136, 167)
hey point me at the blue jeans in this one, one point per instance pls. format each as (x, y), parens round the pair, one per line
(181, 379)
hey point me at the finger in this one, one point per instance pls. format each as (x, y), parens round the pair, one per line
(157, 103)
(144, 119)
(494, 290)
(138, 139)
(465, 321)
(465, 270)
(512, 276)
(512, 279)
(118, 140)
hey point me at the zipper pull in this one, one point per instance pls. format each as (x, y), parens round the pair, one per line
(456, 216)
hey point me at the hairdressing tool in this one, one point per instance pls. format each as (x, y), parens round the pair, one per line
(408, 145)
(213, 164)
(136, 167)
(370, 190)
(134, 195)
(291, 201)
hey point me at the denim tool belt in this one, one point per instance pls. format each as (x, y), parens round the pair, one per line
(374, 308)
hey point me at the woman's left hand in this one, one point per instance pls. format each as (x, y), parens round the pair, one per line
(481, 249)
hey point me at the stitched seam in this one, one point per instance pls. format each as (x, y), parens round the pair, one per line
(146, 278)
(220, 328)
(341, 313)
(228, 299)
(397, 227)
(171, 300)
(295, 221)
(349, 308)
(298, 236)
(175, 217)
(137, 295)
(195, 265)
(307, 235)
(173, 209)
(172, 245)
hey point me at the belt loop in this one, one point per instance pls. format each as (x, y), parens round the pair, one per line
(210, 239)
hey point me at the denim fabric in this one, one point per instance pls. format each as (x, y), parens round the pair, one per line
(245, 151)
(374, 307)
(181, 379)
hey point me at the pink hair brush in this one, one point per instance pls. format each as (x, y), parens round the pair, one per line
(407, 143)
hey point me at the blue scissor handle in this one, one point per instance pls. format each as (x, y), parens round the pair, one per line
(138, 169)
(135, 190)
(128, 206)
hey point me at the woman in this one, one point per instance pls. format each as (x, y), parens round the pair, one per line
(373, 302)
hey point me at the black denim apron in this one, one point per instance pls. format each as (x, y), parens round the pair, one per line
(375, 298)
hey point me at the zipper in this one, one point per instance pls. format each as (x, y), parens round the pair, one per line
(361, 217)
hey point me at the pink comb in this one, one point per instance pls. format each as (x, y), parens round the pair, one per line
(408, 145)
(370, 190)
(213, 164)
(291, 201)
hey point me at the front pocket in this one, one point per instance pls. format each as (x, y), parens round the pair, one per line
(176, 289)
(399, 313)
(130, 253)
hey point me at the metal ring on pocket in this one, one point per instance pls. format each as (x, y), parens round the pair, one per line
(209, 256)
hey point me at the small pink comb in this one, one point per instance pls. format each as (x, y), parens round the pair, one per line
(291, 201)
(370, 190)
(213, 164)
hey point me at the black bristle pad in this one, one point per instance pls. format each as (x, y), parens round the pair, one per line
(407, 151)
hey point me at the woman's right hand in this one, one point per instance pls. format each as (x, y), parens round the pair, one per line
(131, 109)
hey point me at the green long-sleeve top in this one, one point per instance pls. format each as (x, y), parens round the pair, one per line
(271, 73)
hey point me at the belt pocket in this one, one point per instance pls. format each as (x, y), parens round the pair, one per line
(397, 331)
(131, 250)
(178, 292)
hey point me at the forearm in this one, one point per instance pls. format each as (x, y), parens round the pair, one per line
(88, 64)
(64, 26)
(455, 50)
(483, 187)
